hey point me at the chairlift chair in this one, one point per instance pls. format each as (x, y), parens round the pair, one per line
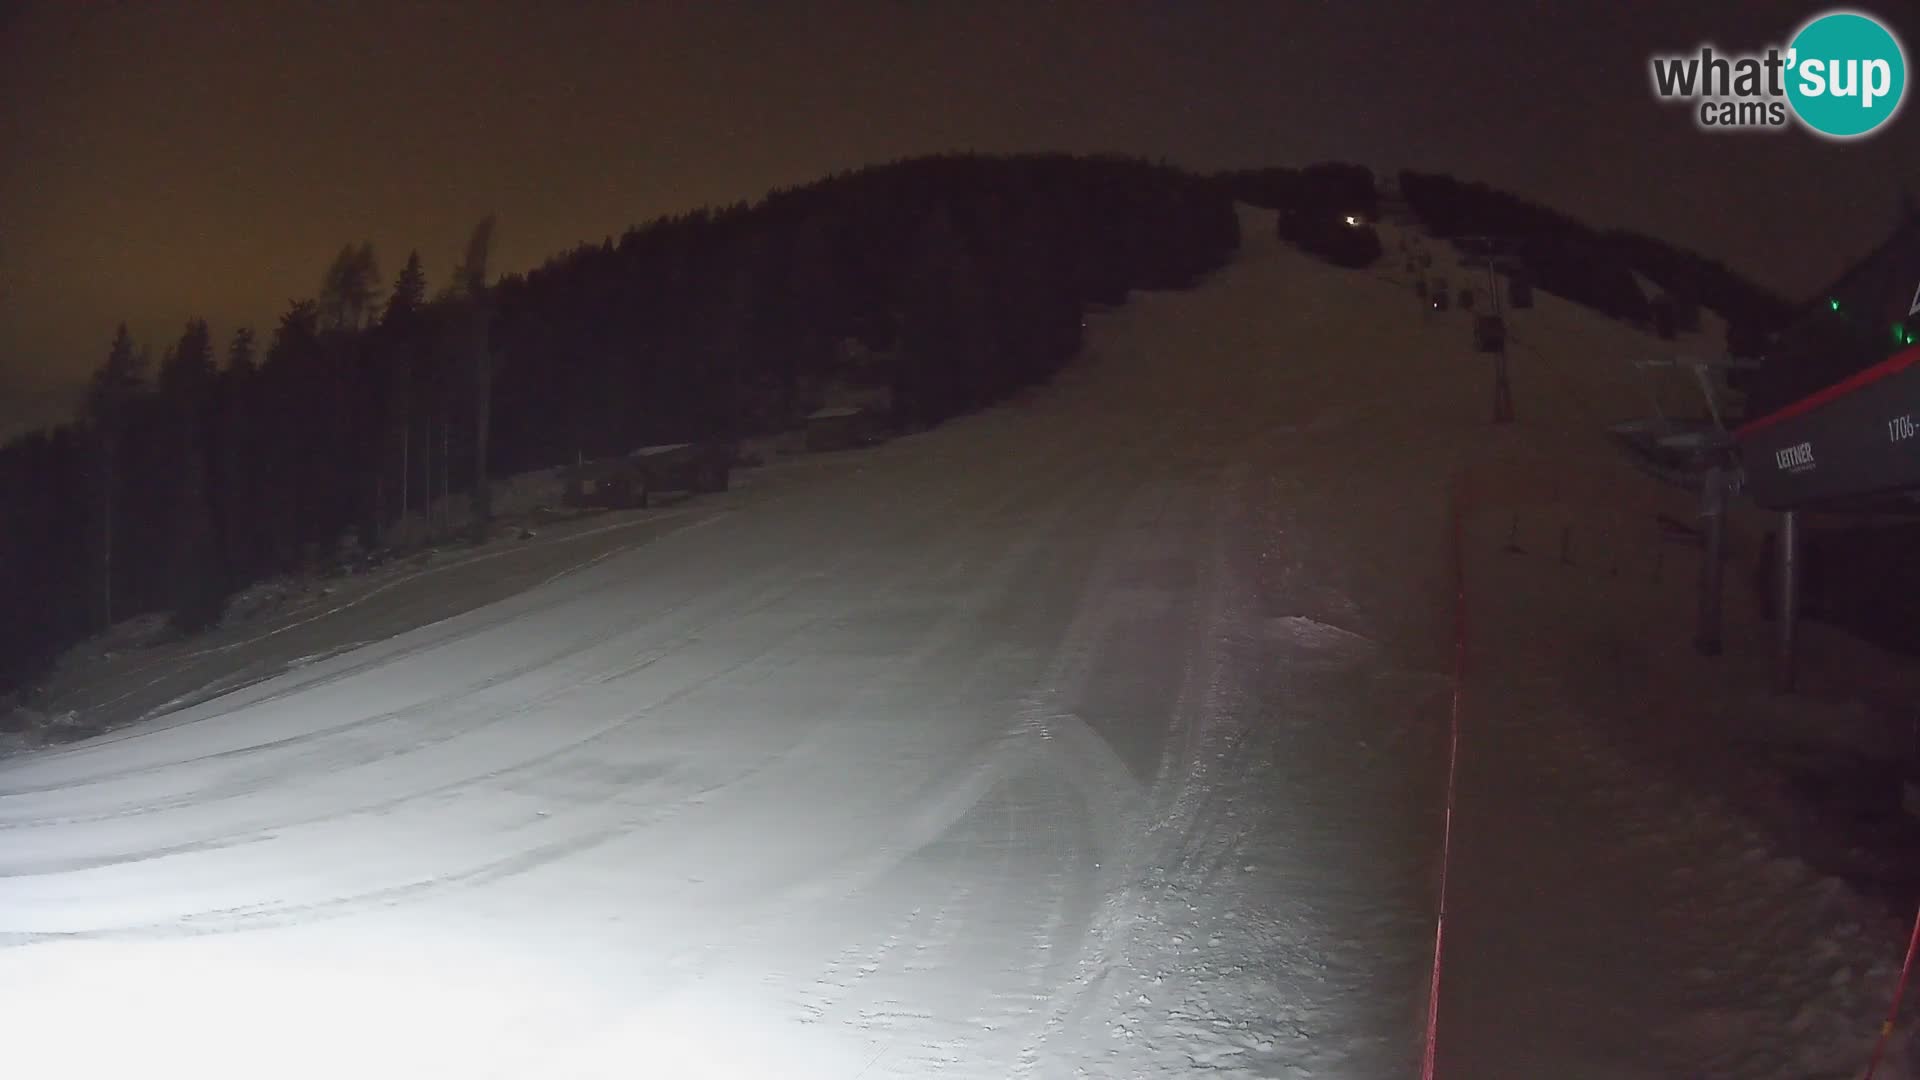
(1661, 314)
(1519, 292)
(1490, 333)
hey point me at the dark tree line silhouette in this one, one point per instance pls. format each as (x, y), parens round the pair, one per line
(1330, 186)
(1595, 268)
(1591, 267)
(1314, 204)
(961, 278)
(1331, 234)
(372, 408)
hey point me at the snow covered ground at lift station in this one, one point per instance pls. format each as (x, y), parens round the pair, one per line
(1102, 733)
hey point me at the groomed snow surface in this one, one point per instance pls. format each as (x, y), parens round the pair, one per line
(1100, 734)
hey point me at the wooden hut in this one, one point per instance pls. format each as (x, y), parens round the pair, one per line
(632, 481)
(842, 428)
(608, 484)
(697, 467)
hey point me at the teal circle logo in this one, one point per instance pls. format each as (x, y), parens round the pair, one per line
(1848, 75)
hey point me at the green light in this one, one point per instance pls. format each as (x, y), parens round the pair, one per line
(1834, 304)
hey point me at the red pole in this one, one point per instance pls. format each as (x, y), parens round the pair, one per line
(1453, 759)
(1899, 988)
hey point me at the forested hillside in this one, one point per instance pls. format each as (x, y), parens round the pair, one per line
(951, 280)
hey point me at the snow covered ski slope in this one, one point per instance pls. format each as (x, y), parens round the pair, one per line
(1099, 734)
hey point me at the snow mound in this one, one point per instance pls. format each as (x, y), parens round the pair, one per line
(1309, 639)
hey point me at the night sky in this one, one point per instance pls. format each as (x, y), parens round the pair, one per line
(159, 161)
